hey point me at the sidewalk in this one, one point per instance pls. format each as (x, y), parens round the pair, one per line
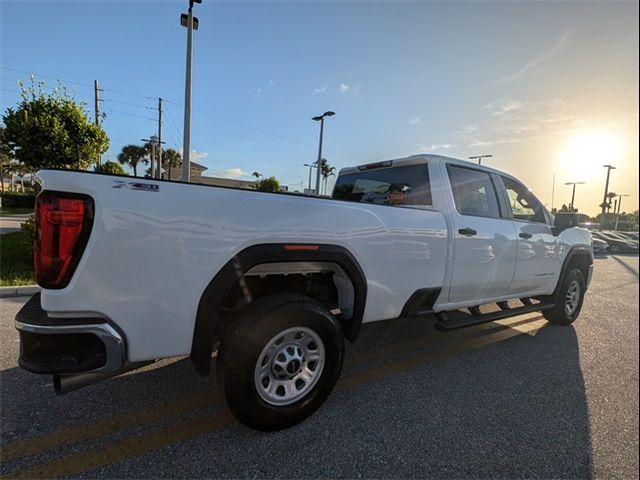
(19, 291)
(11, 223)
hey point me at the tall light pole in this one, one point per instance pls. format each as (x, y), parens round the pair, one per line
(619, 208)
(191, 22)
(320, 118)
(573, 194)
(606, 191)
(479, 158)
(311, 167)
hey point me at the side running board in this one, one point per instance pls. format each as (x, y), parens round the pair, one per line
(453, 320)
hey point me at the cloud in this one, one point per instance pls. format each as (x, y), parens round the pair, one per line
(195, 155)
(537, 60)
(415, 120)
(235, 172)
(501, 107)
(260, 90)
(344, 88)
(320, 89)
(434, 146)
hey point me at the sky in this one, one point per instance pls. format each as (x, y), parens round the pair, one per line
(548, 88)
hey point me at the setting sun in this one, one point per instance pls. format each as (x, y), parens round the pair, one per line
(585, 153)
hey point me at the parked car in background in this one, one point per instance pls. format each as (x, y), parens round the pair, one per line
(620, 236)
(616, 244)
(633, 236)
(600, 247)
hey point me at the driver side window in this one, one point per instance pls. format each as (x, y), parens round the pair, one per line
(522, 202)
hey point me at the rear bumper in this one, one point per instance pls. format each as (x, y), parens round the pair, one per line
(67, 345)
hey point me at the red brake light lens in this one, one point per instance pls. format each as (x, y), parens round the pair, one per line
(63, 226)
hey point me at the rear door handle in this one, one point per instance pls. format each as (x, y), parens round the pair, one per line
(470, 232)
(525, 235)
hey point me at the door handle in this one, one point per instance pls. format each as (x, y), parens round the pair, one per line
(469, 232)
(525, 235)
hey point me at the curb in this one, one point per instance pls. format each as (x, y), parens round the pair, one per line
(18, 291)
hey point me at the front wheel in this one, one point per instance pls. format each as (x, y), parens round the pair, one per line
(570, 298)
(279, 361)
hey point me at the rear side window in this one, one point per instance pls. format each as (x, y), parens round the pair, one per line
(386, 186)
(522, 202)
(473, 192)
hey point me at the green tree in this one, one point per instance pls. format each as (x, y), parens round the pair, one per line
(171, 159)
(5, 158)
(270, 184)
(132, 155)
(110, 167)
(52, 130)
(256, 174)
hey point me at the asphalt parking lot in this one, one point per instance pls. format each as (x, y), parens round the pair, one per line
(515, 398)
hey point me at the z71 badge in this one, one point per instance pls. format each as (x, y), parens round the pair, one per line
(145, 187)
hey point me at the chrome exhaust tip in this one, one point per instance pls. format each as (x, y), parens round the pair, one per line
(68, 383)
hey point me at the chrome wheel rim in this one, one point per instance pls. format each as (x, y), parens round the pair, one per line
(289, 366)
(572, 298)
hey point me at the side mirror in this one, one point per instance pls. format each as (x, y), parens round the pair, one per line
(562, 221)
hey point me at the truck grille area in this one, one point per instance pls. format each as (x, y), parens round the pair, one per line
(61, 353)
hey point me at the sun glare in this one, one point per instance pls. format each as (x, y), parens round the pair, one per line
(585, 153)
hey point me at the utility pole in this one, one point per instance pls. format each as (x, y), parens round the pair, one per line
(320, 118)
(606, 191)
(479, 158)
(191, 22)
(96, 105)
(159, 170)
(553, 190)
(154, 141)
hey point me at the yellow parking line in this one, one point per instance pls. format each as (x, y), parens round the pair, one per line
(135, 446)
(99, 428)
(127, 448)
(439, 337)
(79, 433)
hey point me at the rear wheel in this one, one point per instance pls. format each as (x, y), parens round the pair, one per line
(570, 298)
(279, 361)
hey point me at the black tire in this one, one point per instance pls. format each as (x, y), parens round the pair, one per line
(561, 314)
(244, 341)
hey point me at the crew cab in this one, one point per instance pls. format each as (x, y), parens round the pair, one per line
(133, 270)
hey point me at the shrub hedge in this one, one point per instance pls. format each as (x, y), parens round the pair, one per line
(18, 200)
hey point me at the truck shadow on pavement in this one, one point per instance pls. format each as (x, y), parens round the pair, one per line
(492, 408)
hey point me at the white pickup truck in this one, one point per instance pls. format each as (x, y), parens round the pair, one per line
(133, 270)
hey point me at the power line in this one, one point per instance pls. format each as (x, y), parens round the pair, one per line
(148, 97)
(131, 115)
(45, 76)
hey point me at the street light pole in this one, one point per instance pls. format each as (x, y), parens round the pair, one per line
(573, 194)
(311, 167)
(606, 191)
(320, 118)
(619, 208)
(479, 158)
(191, 23)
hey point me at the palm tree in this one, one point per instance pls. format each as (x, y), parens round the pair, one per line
(171, 159)
(132, 155)
(326, 171)
(256, 174)
(331, 173)
(610, 196)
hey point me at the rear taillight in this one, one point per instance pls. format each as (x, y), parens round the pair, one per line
(63, 225)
